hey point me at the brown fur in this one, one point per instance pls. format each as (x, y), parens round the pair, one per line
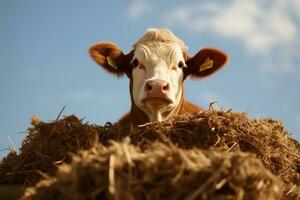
(101, 51)
(219, 60)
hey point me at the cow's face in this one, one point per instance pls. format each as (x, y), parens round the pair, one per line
(157, 78)
(157, 68)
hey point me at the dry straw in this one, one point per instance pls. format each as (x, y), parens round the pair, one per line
(210, 155)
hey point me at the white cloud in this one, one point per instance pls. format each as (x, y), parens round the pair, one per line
(138, 8)
(262, 26)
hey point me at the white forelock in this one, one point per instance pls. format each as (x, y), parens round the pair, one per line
(154, 35)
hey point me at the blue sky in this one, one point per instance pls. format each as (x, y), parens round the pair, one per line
(44, 64)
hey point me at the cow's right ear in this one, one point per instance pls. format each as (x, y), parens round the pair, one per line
(111, 58)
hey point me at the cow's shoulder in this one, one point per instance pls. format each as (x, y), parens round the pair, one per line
(188, 107)
(125, 119)
(134, 117)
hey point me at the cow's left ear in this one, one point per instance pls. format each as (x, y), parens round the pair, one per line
(111, 58)
(206, 62)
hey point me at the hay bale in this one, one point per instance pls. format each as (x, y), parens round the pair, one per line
(212, 133)
(160, 171)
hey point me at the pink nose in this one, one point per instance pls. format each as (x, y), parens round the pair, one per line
(157, 88)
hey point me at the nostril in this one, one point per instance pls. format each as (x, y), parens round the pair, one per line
(148, 86)
(166, 87)
(157, 86)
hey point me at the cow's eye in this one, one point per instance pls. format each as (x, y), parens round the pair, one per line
(180, 64)
(135, 62)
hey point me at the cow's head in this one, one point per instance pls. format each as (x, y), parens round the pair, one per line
(157, 67)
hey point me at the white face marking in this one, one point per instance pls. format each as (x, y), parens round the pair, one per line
(158, 61)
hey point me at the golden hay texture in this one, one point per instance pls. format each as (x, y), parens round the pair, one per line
(210, 155)
(160, 172)
(46, 146)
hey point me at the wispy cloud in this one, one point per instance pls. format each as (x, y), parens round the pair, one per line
(258, 26)
(138, 8)
(265, 28)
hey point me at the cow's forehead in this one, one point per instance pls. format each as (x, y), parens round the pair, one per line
(160, 35)
(170, 52)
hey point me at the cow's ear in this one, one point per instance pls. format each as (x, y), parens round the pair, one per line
(110, 57)
(206, 62)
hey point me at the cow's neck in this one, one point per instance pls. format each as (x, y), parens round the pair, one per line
(137, 115)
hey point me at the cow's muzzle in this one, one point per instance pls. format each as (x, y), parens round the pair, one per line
(157, 90)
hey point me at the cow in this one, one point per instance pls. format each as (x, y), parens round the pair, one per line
(157, 67)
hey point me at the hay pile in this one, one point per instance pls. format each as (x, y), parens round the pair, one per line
(210, 155)
(45, 147)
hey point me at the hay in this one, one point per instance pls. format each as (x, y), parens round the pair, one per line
(160, 172)
(45, 147)
(204, 151)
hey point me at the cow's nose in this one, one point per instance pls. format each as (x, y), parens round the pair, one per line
(157, 87)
